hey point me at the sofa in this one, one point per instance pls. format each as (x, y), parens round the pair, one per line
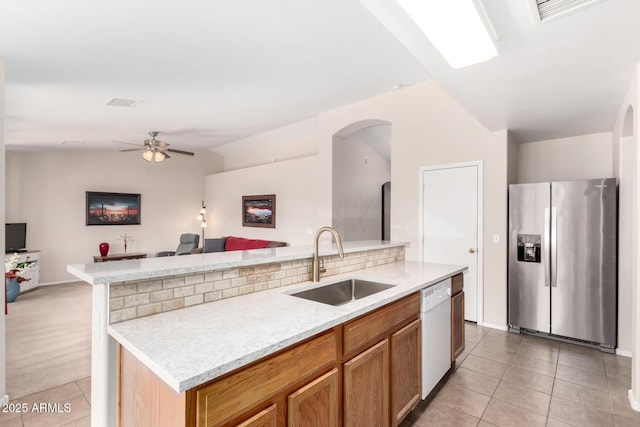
(233, 243)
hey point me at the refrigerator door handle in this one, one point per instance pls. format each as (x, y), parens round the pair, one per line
(545, 247)
(554, 247)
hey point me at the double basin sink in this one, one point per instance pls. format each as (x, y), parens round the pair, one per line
(343, 292)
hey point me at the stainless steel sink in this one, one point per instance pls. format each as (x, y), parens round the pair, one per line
(342, 292)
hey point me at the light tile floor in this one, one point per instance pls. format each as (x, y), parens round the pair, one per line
(501, 379)
(47, 408)
(506, 379)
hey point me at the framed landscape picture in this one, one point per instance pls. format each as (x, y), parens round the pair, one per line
(112, 208)
(259, 211)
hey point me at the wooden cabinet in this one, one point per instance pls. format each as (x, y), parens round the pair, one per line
(406, 370)
(457, 316)
(316, 404)
(382, 381)
(230, 397)
(366, 387)
(266, 418)
(365, 372)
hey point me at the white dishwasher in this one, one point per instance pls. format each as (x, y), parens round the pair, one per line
(435, 312)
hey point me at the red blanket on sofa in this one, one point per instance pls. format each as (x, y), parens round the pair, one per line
(240, 244)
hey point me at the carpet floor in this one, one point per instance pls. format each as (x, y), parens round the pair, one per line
(48, 338)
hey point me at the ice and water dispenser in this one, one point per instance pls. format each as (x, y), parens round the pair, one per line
(529, 247)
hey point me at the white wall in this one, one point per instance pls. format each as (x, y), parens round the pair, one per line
(359, 170)
(513, 149)
(577, 157)
(292, 141)
(629, 331)
(3, 377)
(47, 191)
(428, 128)
(301, 200)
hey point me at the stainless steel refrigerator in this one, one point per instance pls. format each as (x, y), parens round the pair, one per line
(562, 259)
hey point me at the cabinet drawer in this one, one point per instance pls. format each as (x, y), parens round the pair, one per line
(457, 284)
(363, 330)
(229, 397)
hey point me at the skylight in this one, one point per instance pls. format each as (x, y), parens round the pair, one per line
(454, 27)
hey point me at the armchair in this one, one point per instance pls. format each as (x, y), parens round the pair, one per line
(188, 241)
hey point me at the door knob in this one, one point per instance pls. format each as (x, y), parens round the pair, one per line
(472, 250)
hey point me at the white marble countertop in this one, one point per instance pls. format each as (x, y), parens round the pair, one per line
(148, 268)
(191, 346)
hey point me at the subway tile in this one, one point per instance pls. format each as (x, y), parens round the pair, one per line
(213, 276)
(183, 291)
(153, 285)
(203, 288)
(193, 300)
(246, 289)
(122, 290)
(221, 284)
(174, 282)
(231, 292)
(212, 296)
(163, 295)
(173, 304)
(194, 279)
(238, 281)
(116, 303)
(149, 309)
(231, 274)
(136, 300)
(122, 315)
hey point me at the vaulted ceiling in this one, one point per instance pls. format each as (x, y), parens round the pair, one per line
(211, 72)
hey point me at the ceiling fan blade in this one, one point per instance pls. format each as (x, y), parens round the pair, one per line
(131, 149)
(188, 153)
(128, 143)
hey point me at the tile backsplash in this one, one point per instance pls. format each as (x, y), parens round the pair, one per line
(130, 300)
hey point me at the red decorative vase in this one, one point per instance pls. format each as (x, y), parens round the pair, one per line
(104, 248)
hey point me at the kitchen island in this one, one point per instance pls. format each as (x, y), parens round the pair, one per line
(191, 346)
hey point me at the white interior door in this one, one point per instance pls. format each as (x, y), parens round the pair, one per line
(451, 208)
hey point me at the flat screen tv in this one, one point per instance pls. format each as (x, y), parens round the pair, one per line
(15, 236)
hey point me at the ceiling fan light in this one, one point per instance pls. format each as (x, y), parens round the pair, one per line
(158, 156)
(148, 155)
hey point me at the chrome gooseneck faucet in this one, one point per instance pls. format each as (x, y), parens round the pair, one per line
(316, 262)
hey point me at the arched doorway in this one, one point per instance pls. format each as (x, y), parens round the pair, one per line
(361, 162)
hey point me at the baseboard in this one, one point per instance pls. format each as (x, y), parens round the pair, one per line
(5, 399)
(492, 326)
(623, 353)
(635, 405)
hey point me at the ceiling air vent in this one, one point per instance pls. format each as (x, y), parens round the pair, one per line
(547, 9)
(121, 102)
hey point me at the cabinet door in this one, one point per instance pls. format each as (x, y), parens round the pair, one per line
(366, 387)
(266, 418)
(405, 370)
(457, 325)
(315, 404)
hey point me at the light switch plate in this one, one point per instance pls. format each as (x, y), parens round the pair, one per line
(496, 238)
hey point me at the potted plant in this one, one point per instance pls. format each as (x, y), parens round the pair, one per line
(14, 274)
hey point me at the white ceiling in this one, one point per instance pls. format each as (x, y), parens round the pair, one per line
(210, 72)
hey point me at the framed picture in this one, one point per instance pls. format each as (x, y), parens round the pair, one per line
(112, 208)
(259, 211)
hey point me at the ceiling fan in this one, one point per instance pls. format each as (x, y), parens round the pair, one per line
(154, 150)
